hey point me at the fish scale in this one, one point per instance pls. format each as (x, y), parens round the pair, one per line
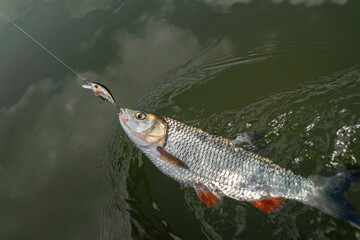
(228, 170)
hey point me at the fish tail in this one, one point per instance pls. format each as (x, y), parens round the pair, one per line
(329, 196)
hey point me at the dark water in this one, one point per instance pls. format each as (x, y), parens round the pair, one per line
(288, 69)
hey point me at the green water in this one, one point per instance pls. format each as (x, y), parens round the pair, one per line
(288, 69)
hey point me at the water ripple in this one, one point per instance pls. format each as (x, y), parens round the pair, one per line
(313, 129)
(303, 132)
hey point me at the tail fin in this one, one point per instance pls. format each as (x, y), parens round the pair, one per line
(330, 200)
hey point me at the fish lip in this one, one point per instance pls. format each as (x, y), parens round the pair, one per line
(124, 120)
(123, 117)
(87, 86)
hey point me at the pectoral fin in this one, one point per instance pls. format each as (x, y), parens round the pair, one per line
(268, 205)
(164, 155)
(206, 196)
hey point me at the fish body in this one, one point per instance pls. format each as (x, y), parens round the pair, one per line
(216, 168)
(229, 170)
(101, 91)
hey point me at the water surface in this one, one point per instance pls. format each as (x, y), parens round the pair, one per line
(287, 69)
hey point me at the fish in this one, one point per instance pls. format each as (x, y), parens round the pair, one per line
(101, 91)
(216, 168)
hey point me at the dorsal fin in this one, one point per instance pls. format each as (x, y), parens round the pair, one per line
(164, 155)
(268, 205)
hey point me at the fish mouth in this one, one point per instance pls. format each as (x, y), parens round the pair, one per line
(123, 115)
(137, 137)
(87, 86)
(124, 119)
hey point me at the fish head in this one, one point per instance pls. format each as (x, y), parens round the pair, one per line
(143, 128)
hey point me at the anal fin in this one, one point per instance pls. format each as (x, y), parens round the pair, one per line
(268, 205)
(164, 155)
(206, 196)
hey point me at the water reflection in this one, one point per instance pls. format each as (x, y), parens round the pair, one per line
(213, 67)
(13, 10)
(81, 8)
(226, 4)
(160, 47)
(115, 220)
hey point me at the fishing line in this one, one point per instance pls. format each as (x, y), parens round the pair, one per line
(43, 47)
(99, 89)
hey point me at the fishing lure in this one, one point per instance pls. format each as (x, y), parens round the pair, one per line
(101, 91)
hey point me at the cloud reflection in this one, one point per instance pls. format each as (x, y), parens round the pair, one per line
(160, 48)
(81, 8)
(56, 126)
(226, 4)
(13, 10)
(42, 87)
(49, 121)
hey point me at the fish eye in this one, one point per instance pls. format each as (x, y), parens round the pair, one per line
(140, 116)
(96, 86)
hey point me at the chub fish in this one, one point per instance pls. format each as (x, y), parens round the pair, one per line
(215, 167)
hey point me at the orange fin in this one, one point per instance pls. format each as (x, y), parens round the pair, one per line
(164, 155)
(204, 194)
(268, 205)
